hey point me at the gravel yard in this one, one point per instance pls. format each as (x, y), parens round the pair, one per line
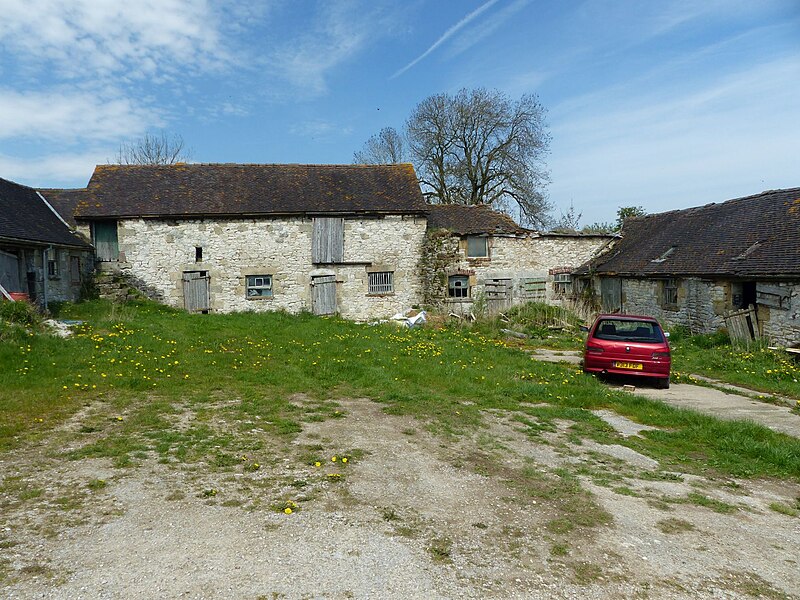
(494, 514)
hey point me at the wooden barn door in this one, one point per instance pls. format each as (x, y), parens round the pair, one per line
(611, 294)
(323, 294)
(498, 295)
(196, 292)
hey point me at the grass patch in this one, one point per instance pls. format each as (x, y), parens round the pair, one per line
(186, 387)
(791, 510)
(674, 526)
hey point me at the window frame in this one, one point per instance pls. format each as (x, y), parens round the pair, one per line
(375, 287)
(451, 287)
(669, 292)
(251, 284)
(562, 284)
(482, 238)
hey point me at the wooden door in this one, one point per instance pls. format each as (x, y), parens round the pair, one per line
(611, 294)
(498, 295)
(323, 294)
(106, 243)
(9, 272)
(196, 291)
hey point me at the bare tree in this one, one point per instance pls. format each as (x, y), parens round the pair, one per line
(479, 147)
(386, 147)
(154, 149)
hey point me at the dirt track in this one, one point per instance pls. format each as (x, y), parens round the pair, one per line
(412, 516)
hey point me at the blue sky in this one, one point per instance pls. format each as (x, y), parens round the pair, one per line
(662, 104)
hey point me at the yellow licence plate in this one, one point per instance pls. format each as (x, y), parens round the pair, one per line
(627, 365)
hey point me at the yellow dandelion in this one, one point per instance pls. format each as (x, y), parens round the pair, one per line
(344, 460)
(333, 459)
(317, 464)
(287, 510)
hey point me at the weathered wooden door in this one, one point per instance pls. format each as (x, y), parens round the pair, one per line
(327, 241)
(196, 293)
(9, 272)
(106, 243)
(611, 294)
(498, 295)
(323, 294)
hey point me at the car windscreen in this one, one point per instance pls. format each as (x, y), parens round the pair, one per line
(629, 331)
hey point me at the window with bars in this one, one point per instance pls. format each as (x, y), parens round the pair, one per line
(562, 284)
(458, 286)
(669, 295)
(259, 286)
(380, 282)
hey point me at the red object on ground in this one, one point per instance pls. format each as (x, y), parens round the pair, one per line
(19, 297)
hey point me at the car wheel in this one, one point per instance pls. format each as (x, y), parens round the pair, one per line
(663, 383)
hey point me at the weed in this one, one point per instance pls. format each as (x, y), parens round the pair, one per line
(674, 526)
(440, 549)
(786, 509)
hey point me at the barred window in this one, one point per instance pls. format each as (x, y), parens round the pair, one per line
(380, 282)
(259, 286)
(458, 286)
(562, 284)
(670, 296)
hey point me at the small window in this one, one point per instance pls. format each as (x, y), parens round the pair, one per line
(458, 286)
(381, 282)
(670, 292)
(259, 286)
(52, 268)
(562, 284)
(198, 254)
(477, 247)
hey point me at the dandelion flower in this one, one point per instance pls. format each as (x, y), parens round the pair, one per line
(317, 464)
(344, 460)
(333, 459)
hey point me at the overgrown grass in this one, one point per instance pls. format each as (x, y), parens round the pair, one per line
(756, 367)
(140, 365)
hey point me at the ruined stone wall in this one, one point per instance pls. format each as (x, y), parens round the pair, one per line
(520, 259)
(155, 253)
(702, 305)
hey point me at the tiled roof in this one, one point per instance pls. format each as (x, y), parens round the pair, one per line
(471, 220)
(64, 201)
(752, 236)
(24, 217)
(183, 190)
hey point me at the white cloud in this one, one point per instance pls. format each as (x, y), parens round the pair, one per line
(319, 129)
(107, 37)
(69, 116)
(67, 169)
(337, 33)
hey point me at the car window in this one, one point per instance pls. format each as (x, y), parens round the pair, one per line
(628, 331)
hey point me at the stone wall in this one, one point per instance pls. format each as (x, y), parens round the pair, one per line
(61, 285)
(154, 253)
(703, 303)
(524, 261)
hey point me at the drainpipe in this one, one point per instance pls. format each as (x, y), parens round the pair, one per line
(45, 254)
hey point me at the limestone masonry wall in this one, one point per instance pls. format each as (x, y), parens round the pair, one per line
(520, 259)
(702, 304)
(156, 253)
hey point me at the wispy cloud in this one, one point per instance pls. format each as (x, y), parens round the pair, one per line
(448, 34)
(724, 138)
(68, 116)
(106, 37)
(65, 169)
(336, 34)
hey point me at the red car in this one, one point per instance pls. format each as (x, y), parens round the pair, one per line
(628, 345)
